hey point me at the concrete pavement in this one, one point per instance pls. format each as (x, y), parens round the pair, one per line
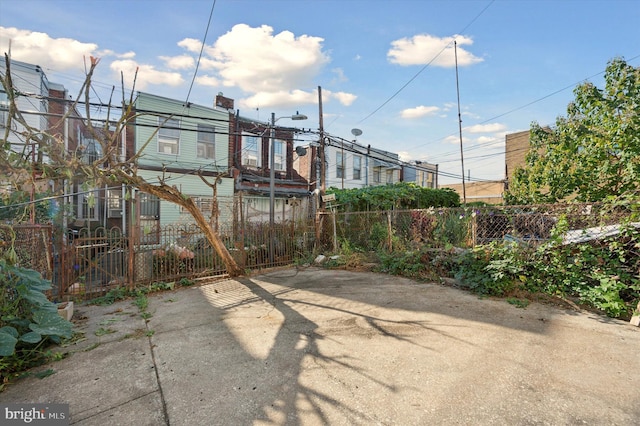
(312, 346)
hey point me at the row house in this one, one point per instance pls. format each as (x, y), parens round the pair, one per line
(250, 160)
(352, 165)
(43, 105)
(421, 173)
(183, 145)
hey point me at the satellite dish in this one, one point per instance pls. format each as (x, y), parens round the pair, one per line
(301, 151)
(356, 132)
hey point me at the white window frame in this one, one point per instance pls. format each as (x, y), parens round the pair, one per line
(377, 171)
(206, 146)
(357, 167)
(389, 175)
(85, 212)
(204, 204)
(339, 165)
(168, 136)
(114, 203)
(251, 157)
(280, 158)
(4, 109)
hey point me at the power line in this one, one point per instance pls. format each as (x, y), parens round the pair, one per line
(425, 66)
(204, 41)
(524, 105)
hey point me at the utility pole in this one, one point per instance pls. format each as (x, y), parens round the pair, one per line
(323, 169)
(464, 190)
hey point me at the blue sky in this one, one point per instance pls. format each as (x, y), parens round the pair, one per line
(385, 67)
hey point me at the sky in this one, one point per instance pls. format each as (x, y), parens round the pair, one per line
(385, 67)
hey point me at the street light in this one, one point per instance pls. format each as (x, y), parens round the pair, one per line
(272, 177)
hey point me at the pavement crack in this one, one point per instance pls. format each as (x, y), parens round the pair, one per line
(111, 408)
(155, 369)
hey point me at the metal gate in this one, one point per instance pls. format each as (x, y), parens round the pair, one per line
(93, 262)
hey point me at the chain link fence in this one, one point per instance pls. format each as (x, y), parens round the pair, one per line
(95, 261)
(467, 227)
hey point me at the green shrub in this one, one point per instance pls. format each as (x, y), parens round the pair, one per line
(601, 273)
(495, 269)
(28, 320)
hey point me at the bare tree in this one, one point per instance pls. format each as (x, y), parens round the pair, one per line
(111, 168)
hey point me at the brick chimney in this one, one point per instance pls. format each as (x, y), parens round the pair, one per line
(222, 102)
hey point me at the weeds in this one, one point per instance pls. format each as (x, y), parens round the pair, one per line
(104, 331)
(518, 303)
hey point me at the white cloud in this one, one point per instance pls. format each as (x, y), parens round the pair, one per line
(128, 55)
(281, 99)
(147, 74)
(258, 61)
(181, 62)
(485, 128)
(409, 156)
(191, 45)
(207, 80)
(449, 105)
(405, 156)
(344, 98)
(486, 139)
(423, 49)
(273, 69)
(419, 111)
(40, 49)
(455, 139)
(294, 98)
(339, 75)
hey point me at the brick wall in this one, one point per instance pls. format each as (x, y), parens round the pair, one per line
(516, 147)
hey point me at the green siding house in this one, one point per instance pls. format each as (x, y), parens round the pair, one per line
(177, 143)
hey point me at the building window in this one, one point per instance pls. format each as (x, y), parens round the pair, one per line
(339, 166)
(279, 157)
(4, 108)
(357, 167)
(114, 203)
(206, 142)
(376, 174)
(204, 204)
(390, 176)
(149, 206)
(92, 151)
(149, 219)
(168, 136)
(88, 205)
(251, 150)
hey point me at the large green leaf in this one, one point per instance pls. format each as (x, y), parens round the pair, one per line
(36, 297)
(50, 324)
(7, 343)
(32, 278)
(31, 337)
(10, 330)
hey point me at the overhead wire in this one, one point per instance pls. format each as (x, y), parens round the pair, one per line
(204, 42)
(404, 86)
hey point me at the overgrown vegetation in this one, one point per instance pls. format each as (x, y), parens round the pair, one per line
(600, 272)
(138, 293)
(29, 322)
(16, 208)
(401, 195)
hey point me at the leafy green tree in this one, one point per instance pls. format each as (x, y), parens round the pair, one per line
(592, 153)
